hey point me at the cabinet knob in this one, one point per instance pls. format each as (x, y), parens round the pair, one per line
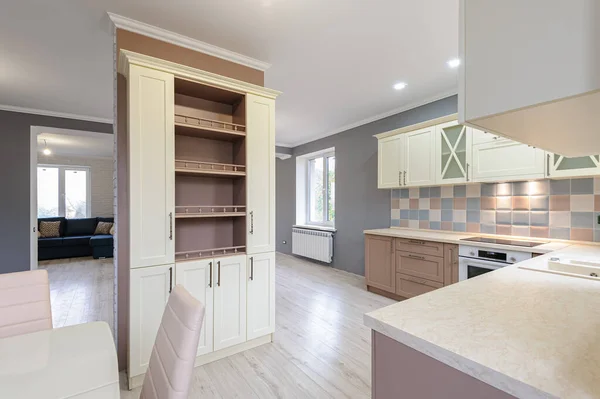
(513, 259)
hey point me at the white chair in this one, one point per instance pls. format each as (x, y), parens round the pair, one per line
(172, 360)
(24, 303)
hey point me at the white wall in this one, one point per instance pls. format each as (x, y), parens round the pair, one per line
(101, 171)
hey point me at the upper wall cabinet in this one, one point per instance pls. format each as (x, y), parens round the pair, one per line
(390, 161)
(453, 153)
(419, 158)
(560, 166)
(536, 82)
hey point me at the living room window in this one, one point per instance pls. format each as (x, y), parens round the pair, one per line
(63, 191)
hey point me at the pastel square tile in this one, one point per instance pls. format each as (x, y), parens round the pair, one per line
(539, 218)
(539, 203)
(447, 192)
(520, 218)
(560, 187)
(435, 192)
(596, 185)
(413, 224)
(459, 226)
(460, 191)
(473, 216)
(460, 203)
(396, 214)
(404, 193)
(504, 230)
(473, 190)
(582, 186)
(488, 203)
(414, 203)
(395, 193)
(423, 203)
(560, 203)
(435, 225)
(447, 226)
(447, 215)
(423, 224)
(404, 223)
(435, 203)
(404, 214)
(447, 203)
(395, 223)
(597, 203)
(504, 203)
(473, 227)
(435, 215)
(582, 234)
(424, 215)
(488, 217)
(404, 203)
(414, 214)
(424, 192)
(503, 189)
(520, 188)
(413, 192)
(560, 233)
(395, 203)
(582, 220)
(582, 203)
(488, 190)
(539, 232)
(503, 217)
(522, 231)
(560, 219)
(488, 229)
(459, 216)
(539, 187)
(520, 203)
(473, 204)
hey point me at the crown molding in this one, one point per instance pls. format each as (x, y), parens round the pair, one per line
(177, 39)
(54, 114)
(375, 118)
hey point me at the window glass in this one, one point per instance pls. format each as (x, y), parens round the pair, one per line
(47, 192)
(316, 201)
(75, 193)
(331, 189)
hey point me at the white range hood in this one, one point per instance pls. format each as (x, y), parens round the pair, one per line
(530, 71)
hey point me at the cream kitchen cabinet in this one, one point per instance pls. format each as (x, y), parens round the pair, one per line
(419, 156)
(503, 160)
(560, 166)
(261, 295)
(230, 301)
(453, 153)
(390, 165)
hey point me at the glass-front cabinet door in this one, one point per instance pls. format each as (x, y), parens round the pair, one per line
(453, 153)
(560, 166)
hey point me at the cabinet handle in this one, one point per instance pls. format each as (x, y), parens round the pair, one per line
(210, 278)
(251, 222)
(468, 171)
(548, 164)
(416, 257)
(416, 242)
(218, 273)
(170, 279)
(171, 226)
(399, 177)
(251, 268)
(405, 178)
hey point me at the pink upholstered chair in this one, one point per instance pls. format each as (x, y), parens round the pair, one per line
(172, 360)
(24, 303)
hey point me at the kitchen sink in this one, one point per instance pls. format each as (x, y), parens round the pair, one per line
(571, 267)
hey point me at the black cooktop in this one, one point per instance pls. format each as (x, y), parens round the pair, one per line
(501, 241)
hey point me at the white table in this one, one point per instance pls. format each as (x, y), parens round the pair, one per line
(70, 362)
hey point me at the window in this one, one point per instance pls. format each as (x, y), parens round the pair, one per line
(63, 191)
(321, 190)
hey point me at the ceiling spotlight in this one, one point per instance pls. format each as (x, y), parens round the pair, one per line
(453, 63)
(46, 150)
(400, 86)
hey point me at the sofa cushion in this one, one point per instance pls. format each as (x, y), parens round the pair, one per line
(101, 240)
(50, 242)
(55, 219)
(77, 240)
(80, 227)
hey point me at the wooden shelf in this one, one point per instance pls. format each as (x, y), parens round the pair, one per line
(208, 128)
(209, 253)
(209, 168)
(209, 211)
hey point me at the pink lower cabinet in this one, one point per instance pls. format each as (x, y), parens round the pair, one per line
(402, 372)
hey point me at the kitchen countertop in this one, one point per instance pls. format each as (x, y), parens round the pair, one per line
(451, 237)
(529, 333)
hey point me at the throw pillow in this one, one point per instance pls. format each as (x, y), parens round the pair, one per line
(49, 229)
(112, 230)
(103, 228)
(39, 234)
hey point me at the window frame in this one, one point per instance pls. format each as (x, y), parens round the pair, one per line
(61, 188)
(325, 222)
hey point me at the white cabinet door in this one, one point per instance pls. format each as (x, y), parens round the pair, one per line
(260, 179)
(560, 166)
(419, 153)
(453, 153)
(261, 295)
(196, 277)
(389, 161)
(151, 167)
(507, 160)
(229, 279)
(149, 292)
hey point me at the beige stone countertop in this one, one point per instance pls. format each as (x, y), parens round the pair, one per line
(529, 333)
(451, 237)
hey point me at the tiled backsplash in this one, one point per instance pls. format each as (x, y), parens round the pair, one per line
(563, 209)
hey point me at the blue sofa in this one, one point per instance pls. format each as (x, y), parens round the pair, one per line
(76, 239)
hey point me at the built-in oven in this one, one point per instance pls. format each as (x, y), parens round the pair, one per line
(474, 261)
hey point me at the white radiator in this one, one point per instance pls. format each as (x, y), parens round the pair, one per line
(313, 244)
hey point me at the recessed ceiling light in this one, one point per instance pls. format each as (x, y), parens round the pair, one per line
(399, 85)
(453, 63)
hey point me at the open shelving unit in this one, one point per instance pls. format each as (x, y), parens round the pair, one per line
(210, 171)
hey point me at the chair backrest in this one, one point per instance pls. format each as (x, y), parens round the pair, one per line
(24, 303)
(172, 360)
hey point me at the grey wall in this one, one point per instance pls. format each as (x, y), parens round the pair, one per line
(15, 131)
(359, 204)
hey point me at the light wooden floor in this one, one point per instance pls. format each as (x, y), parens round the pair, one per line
(81, 290)
(321, 348)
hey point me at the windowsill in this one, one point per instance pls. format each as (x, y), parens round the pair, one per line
(315, 227)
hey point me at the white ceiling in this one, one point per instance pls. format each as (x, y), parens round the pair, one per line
(75, 143)
(334, 60)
